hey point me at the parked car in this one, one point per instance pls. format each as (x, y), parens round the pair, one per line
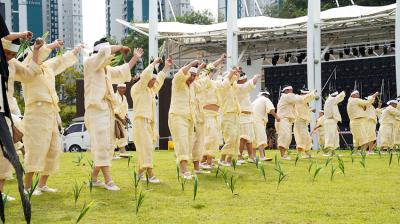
(75, 137)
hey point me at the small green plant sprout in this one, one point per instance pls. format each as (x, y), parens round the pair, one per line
(234, 163)
(183, 183)
(90, 183)
(341, 165)
(129, 160)
(232, 184)
(257, 161)
(297, 159)
(262, 171)
(76, 190)
(90, 162)
(310, 165)
(195, 187)
(33, 187)
(178, 172)
(78, 159)
(316, 172)
(224, 174)
(333, 171)
(4, 197)
(363, 159)
(352, 156)
(281, 174)
(217, 171)
(328, 160)
(84, 211)
(139, 201)
(398, 158)
(379, 152)
(390, 157)
(276, 160)
(136, 181)
(147, 179)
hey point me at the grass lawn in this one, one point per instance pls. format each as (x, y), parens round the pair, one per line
(363, 195)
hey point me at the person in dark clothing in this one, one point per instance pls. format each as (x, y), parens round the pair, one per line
(6, 141)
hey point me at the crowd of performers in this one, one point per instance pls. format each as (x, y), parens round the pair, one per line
(208, 110)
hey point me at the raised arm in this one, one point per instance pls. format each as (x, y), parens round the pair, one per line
(122, 73)
(161, 76)
(60, 63)
(339, 98)
(27, 35)
(249, 85)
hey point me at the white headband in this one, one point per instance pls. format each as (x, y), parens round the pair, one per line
(98, 47)
(287, 88)
(305, 91)
(334, 93)
(354, 92)
(8, 45)
(262, 93)
(193, 70)
(392, 101)
(121, 85)
(321, 111)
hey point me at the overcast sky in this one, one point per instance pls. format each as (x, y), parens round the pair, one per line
(94, 22)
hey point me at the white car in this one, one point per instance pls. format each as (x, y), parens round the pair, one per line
(75, 137)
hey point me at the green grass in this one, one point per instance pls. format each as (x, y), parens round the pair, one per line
(364, 195)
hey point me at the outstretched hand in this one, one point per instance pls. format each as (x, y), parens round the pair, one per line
(138, 52)
(27, 35)
(38, 44)
(125, 50)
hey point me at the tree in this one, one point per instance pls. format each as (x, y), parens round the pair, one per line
(196, 17)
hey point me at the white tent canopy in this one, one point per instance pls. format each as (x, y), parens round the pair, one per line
(266, 23)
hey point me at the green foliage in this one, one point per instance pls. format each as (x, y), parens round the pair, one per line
(135, 183)
(139, 202)
(33, 187)
(234, 163)
(297, 159)
(195, 187)
(341, 165)
(217, 171)
(363, 157)
(328, 160)
(316, 172)
(84, 211)
(76, 190)
(333, 170)
(196, 17)
(262, 171)
(390, 157)
(78, 159)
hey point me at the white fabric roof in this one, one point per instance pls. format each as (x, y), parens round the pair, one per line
(264, 22)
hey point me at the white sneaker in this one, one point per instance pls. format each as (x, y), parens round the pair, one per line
(35, 192)
(249, 160)
(201, 172)
(205, 167)
(47, 189)
(97, 183)
(265, 159)
(286, 158)
(371, 153)
(154, 180)
(8, 198)
(225, 164)
(241, 161)
(326, 155)
(116, 157)
(187, 176)
(111, 186)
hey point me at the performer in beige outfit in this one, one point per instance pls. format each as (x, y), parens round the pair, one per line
(145, 135)
(182, 115)
(397, 128)
(262, 106)
(332, 117)
(41, 137)
(373, 114)
(319, 128)
(287, 113)
(122, 112)
(388, 123)
(356, 109)
(100, 105)
(303, 118)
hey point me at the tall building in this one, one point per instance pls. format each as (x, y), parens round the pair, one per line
(61, 18)
(70, 26)
(138, 11)
(246, 7)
